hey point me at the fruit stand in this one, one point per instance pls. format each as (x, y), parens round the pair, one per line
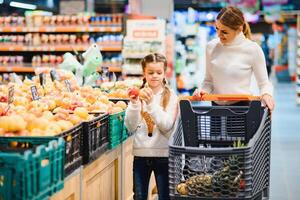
(109, 177)
(97, 148)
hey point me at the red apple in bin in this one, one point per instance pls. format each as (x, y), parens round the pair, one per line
(3, 99)
(133, 92)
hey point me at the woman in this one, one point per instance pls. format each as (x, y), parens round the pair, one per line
(232, 58)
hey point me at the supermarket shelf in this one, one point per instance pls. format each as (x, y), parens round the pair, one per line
(18, 69)
(112, 69)
(56, 48)
(134, 56)
(132, 74)
(20, 29)
(29, 69)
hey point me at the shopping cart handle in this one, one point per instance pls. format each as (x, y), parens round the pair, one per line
(221, 97)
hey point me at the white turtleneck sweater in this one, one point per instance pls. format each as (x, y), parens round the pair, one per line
(229, 67)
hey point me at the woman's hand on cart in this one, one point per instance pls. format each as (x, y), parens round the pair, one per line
(268, 101)
(198, 94)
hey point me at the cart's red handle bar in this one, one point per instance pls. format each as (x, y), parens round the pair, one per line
(221, 97)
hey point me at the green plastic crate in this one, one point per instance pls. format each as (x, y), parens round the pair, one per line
(116, 124)
(31, 170)
(124, 133)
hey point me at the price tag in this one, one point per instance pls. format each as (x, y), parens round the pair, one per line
(80, 29)
(91, 29)
(10, 94)
(54, 75)
(68, 85)
(113, 29)
(9, 69)
(34, 92)
(42, 77)
(50, 29)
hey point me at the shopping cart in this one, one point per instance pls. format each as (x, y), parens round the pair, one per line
(221, 152)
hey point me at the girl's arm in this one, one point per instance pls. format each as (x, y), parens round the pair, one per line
(132, 116)
(164, 120)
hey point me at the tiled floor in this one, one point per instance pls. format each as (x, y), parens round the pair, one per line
(285, 156)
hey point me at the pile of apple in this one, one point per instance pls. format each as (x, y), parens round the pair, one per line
(56, 111)
(119, 89)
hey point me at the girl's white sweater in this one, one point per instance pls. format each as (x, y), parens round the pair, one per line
(157, 145)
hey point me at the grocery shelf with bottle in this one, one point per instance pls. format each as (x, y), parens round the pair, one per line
(37, 40)
(143, 36)
(190, 47)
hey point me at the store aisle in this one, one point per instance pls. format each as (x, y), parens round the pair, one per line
(285, 158)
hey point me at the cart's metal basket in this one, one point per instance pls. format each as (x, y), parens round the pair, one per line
(203, 162)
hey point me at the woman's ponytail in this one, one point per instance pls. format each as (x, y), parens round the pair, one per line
(247, 30)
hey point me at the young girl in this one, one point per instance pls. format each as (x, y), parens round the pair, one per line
(151, 116)
(232, 58)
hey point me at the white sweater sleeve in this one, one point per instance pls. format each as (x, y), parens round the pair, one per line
(260, 72)
(164, 120)
(132, 116)
(207, 84)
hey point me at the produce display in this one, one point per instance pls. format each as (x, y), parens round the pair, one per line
(121, 89)
(58, 108)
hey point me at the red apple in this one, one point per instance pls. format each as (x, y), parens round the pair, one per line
(3, 99)
(75, 104)
(133, 92)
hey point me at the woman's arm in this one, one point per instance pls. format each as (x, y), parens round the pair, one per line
(260, 71)
(207, 85)
(261, 75)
